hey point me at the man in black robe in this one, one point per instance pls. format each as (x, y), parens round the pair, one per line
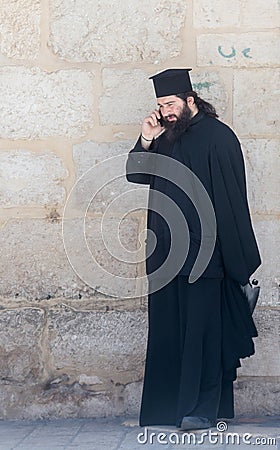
(198, 330)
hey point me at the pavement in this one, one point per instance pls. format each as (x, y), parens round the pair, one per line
(123, 433)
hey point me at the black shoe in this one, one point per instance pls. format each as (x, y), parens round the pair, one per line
(196, 423)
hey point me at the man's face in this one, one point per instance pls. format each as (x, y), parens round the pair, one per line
(176, 116)
(170, 107)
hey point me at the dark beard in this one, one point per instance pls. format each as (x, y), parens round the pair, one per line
(173, 130)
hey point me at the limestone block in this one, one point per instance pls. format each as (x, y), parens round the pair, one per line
(20, 29)
(31, 402)
(132, 398)
(255, 96)
(104, 252)
(255, 49)
(109, 344)
(38, 104)
(257, 14)
(217, 13)
(106, 32)
(248, 13)
(211, 87)
(89, 153)
(34, 263)
(128, 96)
(268, 237)
(20, 350)
(13, 399)
(256, 396)
(135, 86)
(72, 401)
(104, 185)
(263, 174)
(266, 361)
(31, 179)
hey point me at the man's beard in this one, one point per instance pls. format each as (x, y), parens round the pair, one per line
(173, 130)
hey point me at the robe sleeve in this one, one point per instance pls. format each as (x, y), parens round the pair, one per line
(234, 228)
(138, 158)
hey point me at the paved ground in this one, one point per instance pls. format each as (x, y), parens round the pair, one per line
(125, 434)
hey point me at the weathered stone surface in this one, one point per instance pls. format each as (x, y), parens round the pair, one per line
(263, 174)
(248, 13)
(256, 14)
(268, 237)
(256, 396)
(118, 84)
(266, 361)
(89, 379)
(88, 154)
(106, 259)
(255, 49)
(109, 345)
(30, 179)
(20, 349)
(132, 398)
(36, 401)
(20, 28)
(251, 113)
(105, 186)
(37, 104)
(218, 13)
(72, 401)
(116, 32)
(13, 398)
(34, 263)
(211, 87)
(32, 402)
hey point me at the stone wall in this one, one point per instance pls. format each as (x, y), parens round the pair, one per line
(74, 89)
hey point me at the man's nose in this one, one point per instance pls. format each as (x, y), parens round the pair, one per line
(167, 111)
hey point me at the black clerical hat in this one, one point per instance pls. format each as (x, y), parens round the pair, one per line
(172, 82)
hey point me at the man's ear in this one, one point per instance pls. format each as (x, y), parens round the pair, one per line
(190, 101)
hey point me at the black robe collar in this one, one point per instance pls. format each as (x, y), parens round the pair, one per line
(197, 118)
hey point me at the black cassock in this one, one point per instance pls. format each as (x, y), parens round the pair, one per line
(198, 332)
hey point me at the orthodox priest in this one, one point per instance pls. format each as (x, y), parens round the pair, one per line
(198, 330)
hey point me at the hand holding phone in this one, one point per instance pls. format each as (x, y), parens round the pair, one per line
(152, 126)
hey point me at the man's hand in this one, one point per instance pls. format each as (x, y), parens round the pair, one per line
(150, 128)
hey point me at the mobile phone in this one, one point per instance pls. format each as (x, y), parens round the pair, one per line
(160, 121)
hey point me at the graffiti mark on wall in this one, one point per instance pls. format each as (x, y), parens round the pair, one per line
(246, 52)
(227, 55)
(200, 86)
(232, 54)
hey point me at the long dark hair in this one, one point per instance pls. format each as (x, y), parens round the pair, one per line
(202, 105)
